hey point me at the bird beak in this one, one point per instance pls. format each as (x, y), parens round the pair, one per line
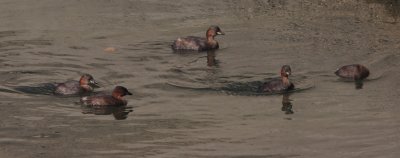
(129, 93)
(288, 73)
(94, 84)
(220, 33)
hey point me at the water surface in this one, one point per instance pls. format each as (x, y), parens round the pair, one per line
(181, 105)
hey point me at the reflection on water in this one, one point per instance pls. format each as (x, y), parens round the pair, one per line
(211, 61)
(392, 6)
(313, 35)
(359, 84)
(119, 112)
(287, 104)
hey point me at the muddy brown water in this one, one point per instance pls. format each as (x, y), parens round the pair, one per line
(179, 108)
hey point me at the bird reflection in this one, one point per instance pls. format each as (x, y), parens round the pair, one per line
(287, 104)
(211, 61)
(359, 84)
(119, 112)
(392, 6)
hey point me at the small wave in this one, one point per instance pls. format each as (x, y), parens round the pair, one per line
(243, 88)
(43, 89)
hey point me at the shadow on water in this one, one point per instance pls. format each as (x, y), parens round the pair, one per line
(392, 6)
(119, 112)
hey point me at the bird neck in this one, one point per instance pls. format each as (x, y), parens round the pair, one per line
(285, 81)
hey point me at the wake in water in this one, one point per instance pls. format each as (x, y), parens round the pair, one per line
(245, 88)
(42, 89)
